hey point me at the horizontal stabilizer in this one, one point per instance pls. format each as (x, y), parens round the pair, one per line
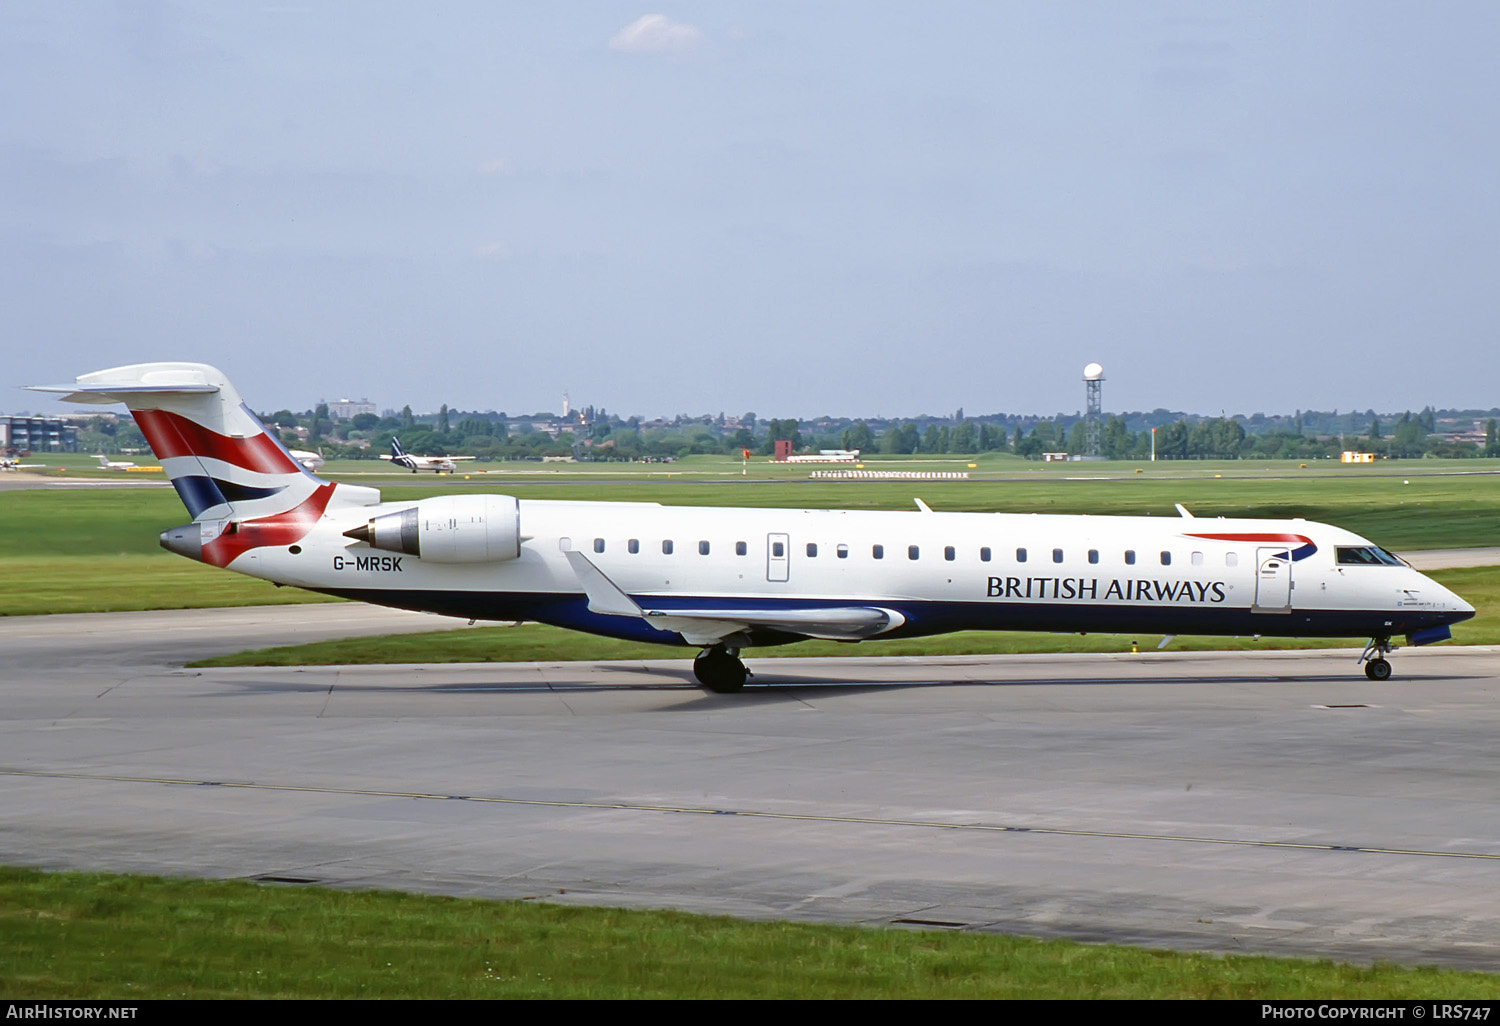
(118, 384)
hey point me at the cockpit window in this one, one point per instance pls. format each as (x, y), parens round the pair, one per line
(1366, 555)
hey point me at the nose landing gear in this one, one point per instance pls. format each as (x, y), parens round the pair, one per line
(719, 669)
(1377, 667)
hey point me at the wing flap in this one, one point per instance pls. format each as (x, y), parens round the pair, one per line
(707, 624)
(831, 623)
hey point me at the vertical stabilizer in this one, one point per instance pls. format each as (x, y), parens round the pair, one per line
(223, 462)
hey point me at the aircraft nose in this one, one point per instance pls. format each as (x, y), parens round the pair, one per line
(1462, 610)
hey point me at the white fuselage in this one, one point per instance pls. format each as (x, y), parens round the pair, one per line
(939, 571)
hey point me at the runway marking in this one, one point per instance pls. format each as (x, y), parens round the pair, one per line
(996, 828)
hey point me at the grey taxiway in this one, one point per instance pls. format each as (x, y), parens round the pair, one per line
(1270, 802)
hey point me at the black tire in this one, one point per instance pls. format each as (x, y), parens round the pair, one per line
(1378, 669)
(720, 672)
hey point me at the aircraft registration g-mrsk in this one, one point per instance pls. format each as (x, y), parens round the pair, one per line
(724, 579)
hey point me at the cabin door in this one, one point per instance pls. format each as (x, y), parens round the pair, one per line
(1273, 580)
(778, 557)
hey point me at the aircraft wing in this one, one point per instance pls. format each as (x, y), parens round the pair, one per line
(709, 624)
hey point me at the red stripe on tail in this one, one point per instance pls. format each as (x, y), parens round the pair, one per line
(171, 434)
(282, 529)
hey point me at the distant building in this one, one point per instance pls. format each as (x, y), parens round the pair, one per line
(37, 434)
(348, 409)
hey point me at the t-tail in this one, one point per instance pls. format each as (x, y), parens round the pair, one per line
(400, 457)
(239, 483)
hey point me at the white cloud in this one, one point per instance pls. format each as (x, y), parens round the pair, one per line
(656, 33)
(498, 166)
(493, 251)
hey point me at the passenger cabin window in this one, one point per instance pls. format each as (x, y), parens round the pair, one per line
(778, 549)
(984, 554)
(1020, 555)
(843, 551)
(1130, 557)
(1197, 559)
(598, 544)
(1166, 559)
(877, 551)
(740, 548)
(666, 548)
(633, 546)
(1365, 555)
(564, 544)
(1231, 559)
(912, 552)
(949, 553)
(1057, 555)
(812, 549)
(703, 548)
(1093, 555)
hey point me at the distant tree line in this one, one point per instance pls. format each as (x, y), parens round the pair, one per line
(597, 434)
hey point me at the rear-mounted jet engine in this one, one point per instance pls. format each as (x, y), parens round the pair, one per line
(450, 529)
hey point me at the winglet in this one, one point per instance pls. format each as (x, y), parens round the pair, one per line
(922, 505)
(1183, 511)
(604, 595)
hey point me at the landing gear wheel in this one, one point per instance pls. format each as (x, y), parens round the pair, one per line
(720, 671)
(1376, 665)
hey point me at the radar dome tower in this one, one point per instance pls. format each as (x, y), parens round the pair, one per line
(1093, 389)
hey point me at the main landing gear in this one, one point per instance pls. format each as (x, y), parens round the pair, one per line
(719, 669)
(1378, 667)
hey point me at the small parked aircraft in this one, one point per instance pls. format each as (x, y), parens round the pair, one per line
(436, 464)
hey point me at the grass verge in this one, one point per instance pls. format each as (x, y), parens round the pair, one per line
(127, 581)
(76, 935)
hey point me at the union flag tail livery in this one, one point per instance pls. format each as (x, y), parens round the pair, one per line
(723, 579)
(239, 484)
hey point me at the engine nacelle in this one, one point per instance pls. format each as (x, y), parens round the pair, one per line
(449, 529)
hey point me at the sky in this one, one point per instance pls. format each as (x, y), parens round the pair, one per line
(792, 208)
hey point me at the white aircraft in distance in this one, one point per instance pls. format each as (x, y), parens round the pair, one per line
(723, 579)
(436, 464)
(109, 464)
(10, 463)
(311, 460)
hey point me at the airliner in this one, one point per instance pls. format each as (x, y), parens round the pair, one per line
(436, 464)
(723, 579)
(311, 460)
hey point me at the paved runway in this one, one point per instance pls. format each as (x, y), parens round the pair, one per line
(1273, 802)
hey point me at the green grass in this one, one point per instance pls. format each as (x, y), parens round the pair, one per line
(100, 936)
(126, 582)
(103, 541)
(1433, 511)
